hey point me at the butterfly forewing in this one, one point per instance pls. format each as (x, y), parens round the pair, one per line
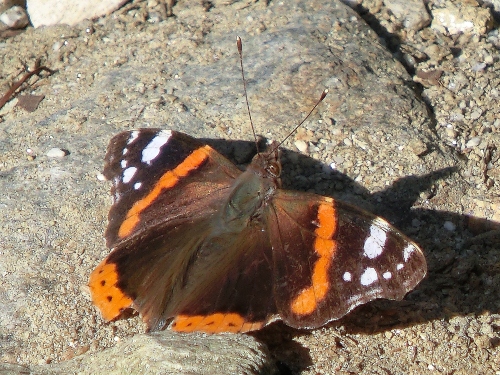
(154, 170)
(357, 257)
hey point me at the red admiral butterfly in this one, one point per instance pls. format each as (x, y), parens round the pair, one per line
(202, 246)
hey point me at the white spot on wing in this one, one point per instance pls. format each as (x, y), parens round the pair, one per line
(387, 275)
(369, 276)
(152, 150)
(347, 276)
(409, 249)
(133, 137)
(399, 266)
(128, 174)
(125, 150)
(123, 163)
(137, 185)
(374, 244)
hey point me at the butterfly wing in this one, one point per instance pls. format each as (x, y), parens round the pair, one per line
(208, 279)
(170, 169)
(233, 288)
(342, 258)
(161, 180)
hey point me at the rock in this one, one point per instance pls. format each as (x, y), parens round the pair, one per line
(56, 153)
(52, 12)
(473, 142)
(494, 3)
(352, 3)
(301, 145)
(6, 4)
(412, 14)
(170, 353)
(53, 227)
(449, 226)
(15, 17)
(13, 369)
(417, 147)
(465, 18)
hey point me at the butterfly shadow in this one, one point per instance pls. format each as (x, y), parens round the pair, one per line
(460, 278)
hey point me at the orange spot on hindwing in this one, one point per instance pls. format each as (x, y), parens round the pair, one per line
(106, 295)
(167, 181)
(214, 323)
(307, 300)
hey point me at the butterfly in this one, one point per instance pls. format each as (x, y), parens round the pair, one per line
(199, 245)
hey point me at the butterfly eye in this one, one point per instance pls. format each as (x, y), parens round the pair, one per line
(274, 169)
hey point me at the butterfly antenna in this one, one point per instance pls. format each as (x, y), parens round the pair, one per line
(323, 95)
(240, 52)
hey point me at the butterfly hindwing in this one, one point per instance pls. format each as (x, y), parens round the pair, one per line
(209, 279)
(233, 287)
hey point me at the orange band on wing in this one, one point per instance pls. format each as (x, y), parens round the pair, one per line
(214, 323)
(167, 181)
(106, 295)
(324, 246)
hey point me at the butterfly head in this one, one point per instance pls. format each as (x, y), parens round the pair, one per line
(267, 164)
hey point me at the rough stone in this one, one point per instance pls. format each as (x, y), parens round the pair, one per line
(412, 14)
(466, 19)
(52, 12)
(6, 4)
(168, 353)
(15, 17)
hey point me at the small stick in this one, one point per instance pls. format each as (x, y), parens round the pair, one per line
(38, 69)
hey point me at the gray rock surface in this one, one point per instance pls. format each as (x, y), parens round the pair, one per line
(166, 353)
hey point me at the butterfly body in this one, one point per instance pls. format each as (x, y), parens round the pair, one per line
(198, 245)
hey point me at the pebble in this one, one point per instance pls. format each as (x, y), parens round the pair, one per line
(52, 12)
(473, 142)
(15, 17)
(448, 225)
(56, 153)
(412, 14)
(301, 145)
(453, 20)
(475, 114)
(479, 67)
(417, 147)
(450, 132)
